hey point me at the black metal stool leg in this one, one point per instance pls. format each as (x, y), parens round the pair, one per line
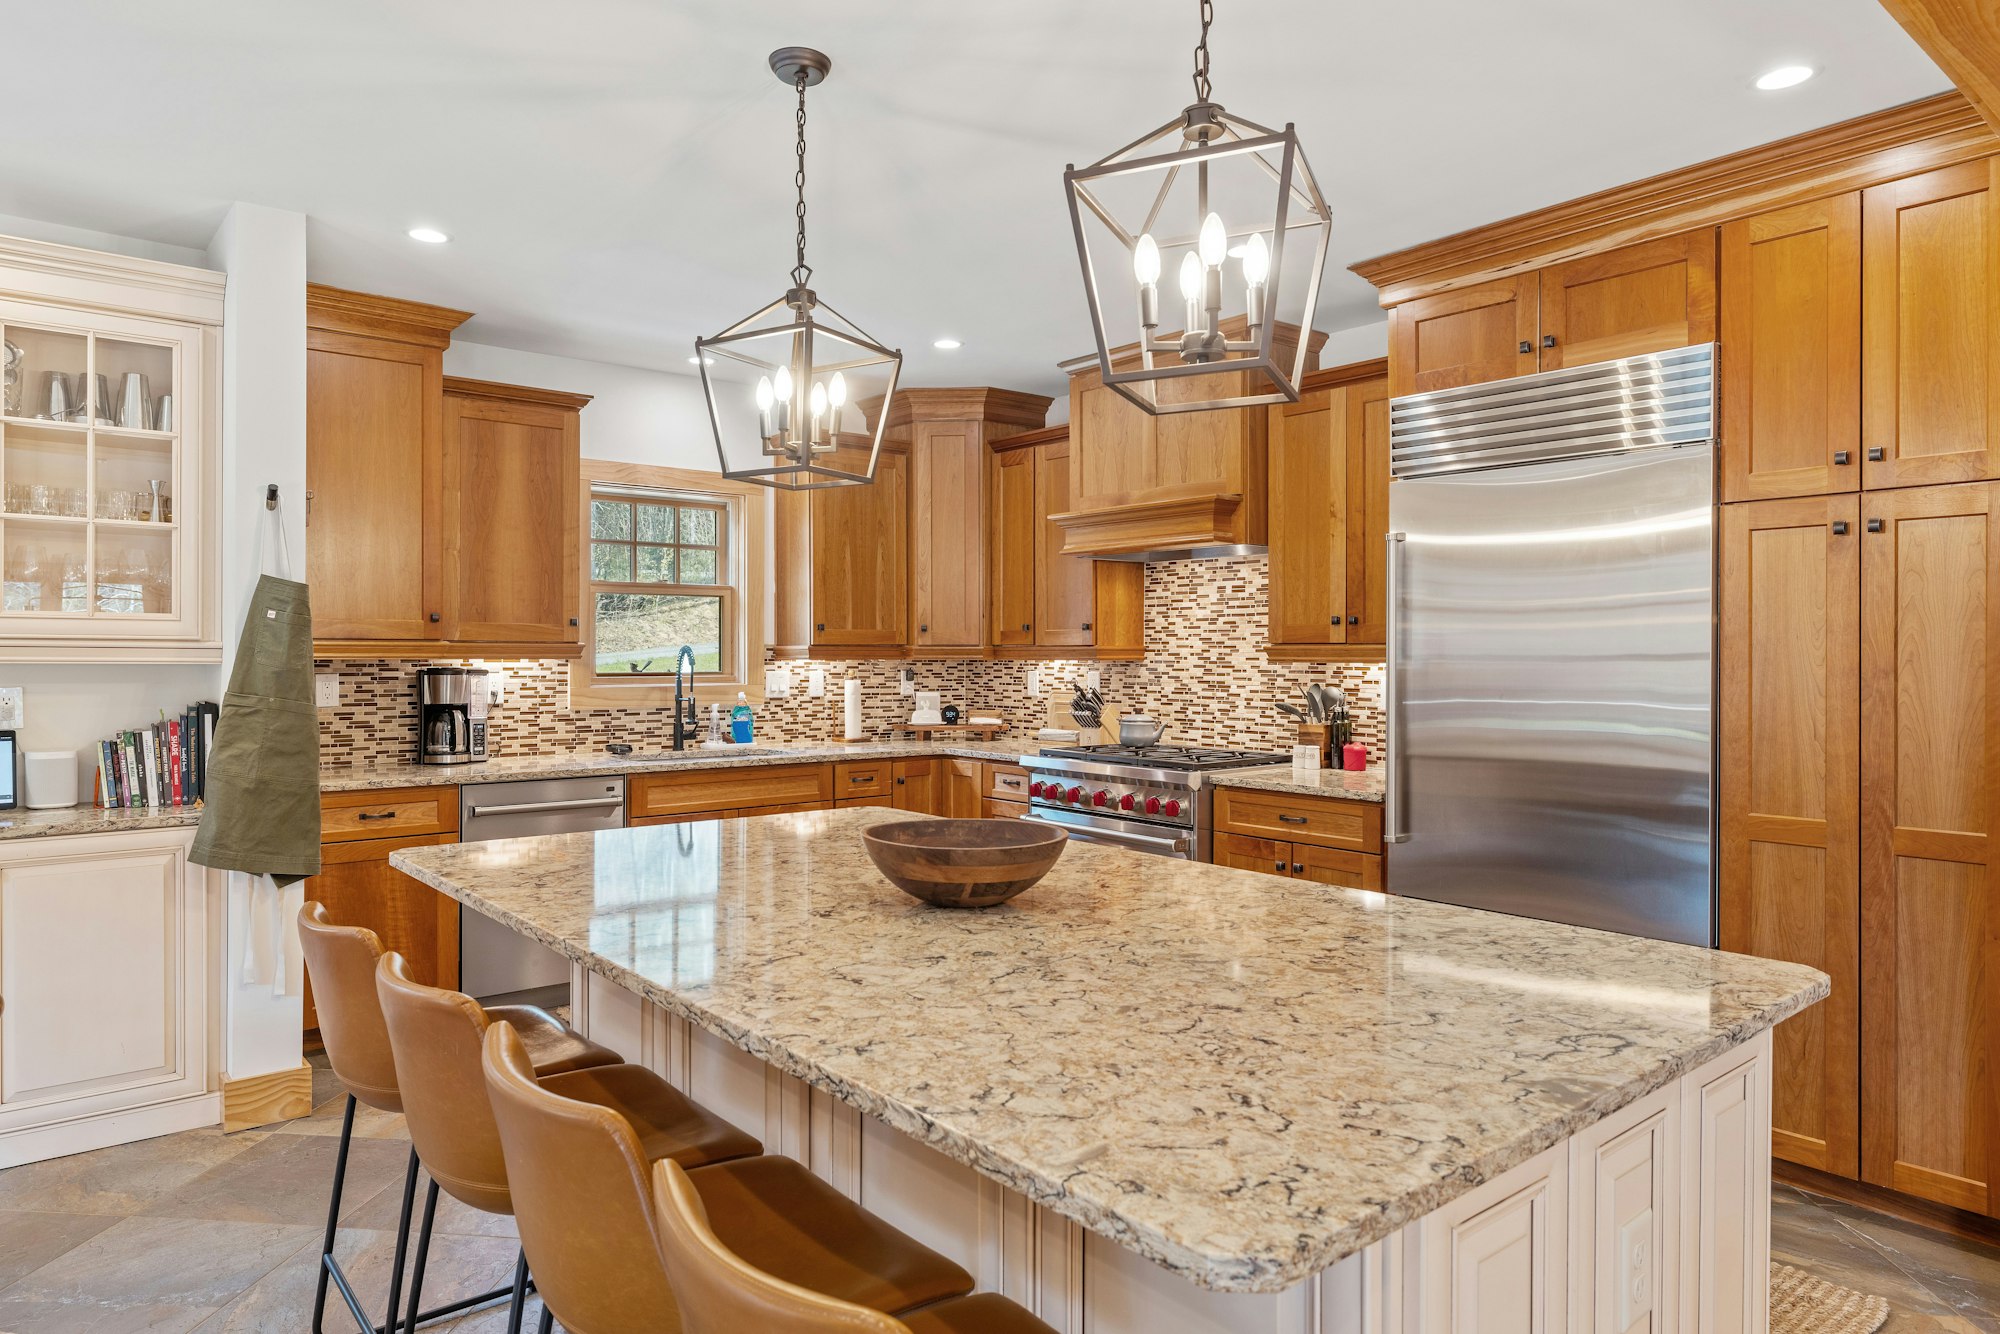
(548, 1319)
(333, 1219)
(423, 1254)
(402, 1245)
(519, 1308)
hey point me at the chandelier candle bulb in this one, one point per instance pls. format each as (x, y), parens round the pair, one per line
(1146, 268)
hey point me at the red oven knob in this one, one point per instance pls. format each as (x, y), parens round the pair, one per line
(1172, 808)
(1102, 798)
(1073, 795)
(1127, 802)
(1152, 805)
(1036, 789)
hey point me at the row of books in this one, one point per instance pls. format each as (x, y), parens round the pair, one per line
(165, 764)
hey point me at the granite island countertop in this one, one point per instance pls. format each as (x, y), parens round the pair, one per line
(1240, 1081)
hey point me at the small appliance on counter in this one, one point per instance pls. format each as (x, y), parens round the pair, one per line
(51, 777)
(451, 715)
(929, 709)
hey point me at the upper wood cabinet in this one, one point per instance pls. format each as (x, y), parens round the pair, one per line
(843, 562)
(1791, 362)
(1790, 791)
(1045, 602)
(1930, 813)
(511, 548)
(1329, 512)
(1931, 332)
(1467, 336)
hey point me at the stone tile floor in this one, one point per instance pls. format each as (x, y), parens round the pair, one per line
(213, 1232)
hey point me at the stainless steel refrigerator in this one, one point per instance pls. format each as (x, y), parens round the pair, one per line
(1550, 674)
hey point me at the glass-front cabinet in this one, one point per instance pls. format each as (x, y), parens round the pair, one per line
(108, 457)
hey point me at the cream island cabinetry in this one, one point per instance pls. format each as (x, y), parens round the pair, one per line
(1154, 1095)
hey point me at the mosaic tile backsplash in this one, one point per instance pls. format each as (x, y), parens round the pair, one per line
(1205, 673)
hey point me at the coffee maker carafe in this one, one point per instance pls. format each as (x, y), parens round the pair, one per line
(451, 715)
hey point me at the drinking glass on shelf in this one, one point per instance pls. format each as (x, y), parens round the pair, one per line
(69, 501)
(17, 497)
(24, 579)
(40, 497)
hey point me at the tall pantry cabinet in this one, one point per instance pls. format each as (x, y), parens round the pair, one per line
(1860, 682)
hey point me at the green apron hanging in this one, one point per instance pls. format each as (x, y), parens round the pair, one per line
(260, 811)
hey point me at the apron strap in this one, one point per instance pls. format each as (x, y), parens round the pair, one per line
(274, 509)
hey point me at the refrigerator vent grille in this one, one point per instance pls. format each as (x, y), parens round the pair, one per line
(1663, 398)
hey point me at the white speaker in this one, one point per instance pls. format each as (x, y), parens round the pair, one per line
(51, 778)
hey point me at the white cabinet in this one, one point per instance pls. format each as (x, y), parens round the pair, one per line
(109, 429)
(1726, 1169)
(1493, 1261)
(104, 992)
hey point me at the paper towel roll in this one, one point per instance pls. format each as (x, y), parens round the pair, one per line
(852, 712)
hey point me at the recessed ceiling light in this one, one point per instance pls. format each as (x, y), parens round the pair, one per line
(1785, 76)
(428, 235)
(947, 345)
(696, 361)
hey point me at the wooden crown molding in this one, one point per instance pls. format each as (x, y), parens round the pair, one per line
(1354, 372)
(1151, 525)
(514, 393)
(1047, 435)
(1901, 141)
(1006, 407)
(1963, 38)
(342, 311)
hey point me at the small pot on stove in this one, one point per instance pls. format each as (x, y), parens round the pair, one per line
(1136, 729)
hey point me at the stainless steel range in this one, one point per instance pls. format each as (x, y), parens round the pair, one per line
(1148, 799)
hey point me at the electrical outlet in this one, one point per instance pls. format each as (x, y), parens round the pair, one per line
(1092, 680)
(906, 684)
(326, 691)
(496, 687)
(816, 682)
(13, 712)
(1034, 680)
(1635, 1269)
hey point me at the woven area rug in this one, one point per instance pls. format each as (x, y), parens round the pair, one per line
(1802, 1304)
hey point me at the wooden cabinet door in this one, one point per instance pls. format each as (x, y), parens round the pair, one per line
(1790, 792)
(1931, 328)
(1271, 856)
(360, 888)
(962, 789)
(1791, 361)
(947, 581)
(1309, 507)
(917, 786)
(374, 445)
(860, 555)
(1014, 536)
(511, 544)
(1116, 445)
(1930, 952)
(1065, 586)
(1468, 336)
(1366, 518)
(1649, 297)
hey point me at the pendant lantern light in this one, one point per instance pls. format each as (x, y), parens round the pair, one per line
(798, 395)
(1230, 209)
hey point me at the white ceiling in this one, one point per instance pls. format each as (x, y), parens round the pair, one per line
(616, 175)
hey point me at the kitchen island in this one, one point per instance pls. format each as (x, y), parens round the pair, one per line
(1154, 1095)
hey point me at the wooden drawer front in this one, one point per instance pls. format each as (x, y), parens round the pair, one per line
(714, 790)
(1006, 782)
(1269, 855)
(863, 778)
(687, 817)
(868, 799)
(793, 809)
(1328, 822)
(995, 809)
(395, 813)
(1331, 866)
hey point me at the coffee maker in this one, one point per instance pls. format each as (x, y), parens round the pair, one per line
(451, 715)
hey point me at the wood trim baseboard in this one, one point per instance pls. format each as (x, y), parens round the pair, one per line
(1900, 141)
(1941, 1217)
(262, 1100)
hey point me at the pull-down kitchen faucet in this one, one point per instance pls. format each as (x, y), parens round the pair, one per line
(686, 721)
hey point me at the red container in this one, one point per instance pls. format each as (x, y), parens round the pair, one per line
(1354, 755)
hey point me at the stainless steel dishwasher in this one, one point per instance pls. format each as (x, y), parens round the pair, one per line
(494, 961)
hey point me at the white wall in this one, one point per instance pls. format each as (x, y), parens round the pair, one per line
(55, 232)
(635, 415)
(1364, 342)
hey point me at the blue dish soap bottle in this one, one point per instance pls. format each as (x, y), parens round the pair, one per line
(740, 720)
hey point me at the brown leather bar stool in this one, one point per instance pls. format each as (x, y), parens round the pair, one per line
(719, 1292)
(436, 1037)
(341, 963)
(580, 1174)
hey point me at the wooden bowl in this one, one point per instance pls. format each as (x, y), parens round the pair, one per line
(964, 863)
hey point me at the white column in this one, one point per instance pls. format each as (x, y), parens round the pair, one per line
(263, 250)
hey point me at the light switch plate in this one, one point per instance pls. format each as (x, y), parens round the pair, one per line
(326, 690)
(777, 682)
(816, 682)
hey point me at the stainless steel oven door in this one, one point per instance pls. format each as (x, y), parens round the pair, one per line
(1164, 840)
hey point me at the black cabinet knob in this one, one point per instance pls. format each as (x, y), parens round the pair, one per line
(1026, 626)
(822, 625)
(1876, 454)
(1841, 458)
(1526, 346)
(1548, 340)
(1874, 525)
(1086, 625)
(435, 618)
(1279, 867)
(923, 629)
(1298, 868)
(1840, 528)
(1354, 620)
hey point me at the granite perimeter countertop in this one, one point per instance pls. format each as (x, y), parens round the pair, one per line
(1239, 1080)
(94, 820)
(1348, 785)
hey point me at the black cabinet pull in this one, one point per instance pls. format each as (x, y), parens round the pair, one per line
(861, 778)
(1841, 458)
(822, 625)
(901, 781)
(923, 629)
(1874, 525)
(1293, 819)
(1298, 868)
(1086, 625)
(1548, 340)
(371, 815)
(1840, 528)
(435, 618)
(1354, 620)
(1026, 626)
(1876, 454)
(1526, 346)
(1279, 867)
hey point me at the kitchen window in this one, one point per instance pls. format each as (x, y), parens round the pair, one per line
(669, 557)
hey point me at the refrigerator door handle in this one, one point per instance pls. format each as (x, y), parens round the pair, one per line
(1392, 797)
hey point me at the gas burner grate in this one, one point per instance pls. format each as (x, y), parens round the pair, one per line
(1168, 757)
